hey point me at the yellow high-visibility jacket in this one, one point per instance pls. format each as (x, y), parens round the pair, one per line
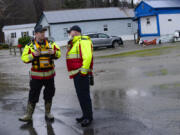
(28, 57)
(80, 56)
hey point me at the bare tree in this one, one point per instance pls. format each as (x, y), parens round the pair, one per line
(5, 5)
(75, 4)
(2, 8)
(39, 7)
(124, 3)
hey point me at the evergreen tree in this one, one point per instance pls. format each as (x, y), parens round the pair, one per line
(115, 3)
(75, 4)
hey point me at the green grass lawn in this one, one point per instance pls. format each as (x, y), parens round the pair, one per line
(144, 53)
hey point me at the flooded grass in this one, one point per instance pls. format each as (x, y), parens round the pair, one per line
(169, 86)
(143, 53)
(164, 71)
(161, 72)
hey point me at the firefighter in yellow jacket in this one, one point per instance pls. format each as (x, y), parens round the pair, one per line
(80, 64)
(41, 53)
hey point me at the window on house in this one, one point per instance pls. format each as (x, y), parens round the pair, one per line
(13, 35)
(105, 27)
(148, 21)
(129, 25)
(24, 34)
(65, 32)
(169, 20)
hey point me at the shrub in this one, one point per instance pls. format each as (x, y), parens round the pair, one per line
(4, 46)
(24, 41)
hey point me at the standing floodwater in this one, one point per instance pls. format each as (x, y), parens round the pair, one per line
(135, 93)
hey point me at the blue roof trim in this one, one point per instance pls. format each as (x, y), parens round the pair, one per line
(139, 26)
(149, 35)
(144, 9)
(168, 11)
(158, 25)
(142, 2)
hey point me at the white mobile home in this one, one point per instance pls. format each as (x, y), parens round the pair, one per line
(13, 32)
(112, 21)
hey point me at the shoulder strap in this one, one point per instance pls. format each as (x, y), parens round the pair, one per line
(50, 46)
(34, 45)
(29, 43)
(50, 43)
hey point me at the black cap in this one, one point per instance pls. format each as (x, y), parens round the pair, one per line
(40, 28)
(75, 28)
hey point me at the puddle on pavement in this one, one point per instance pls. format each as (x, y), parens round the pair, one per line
(110, 100)
(11, 85)
(32, 131)
(9, 82)
(122, 100)
(12, 104)
(129, 101)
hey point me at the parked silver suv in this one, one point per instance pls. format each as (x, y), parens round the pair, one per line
(104, 40)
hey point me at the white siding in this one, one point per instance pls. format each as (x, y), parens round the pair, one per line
(169, 27)
(115, 28)
(149, 28)
(14, 41)
(44, 23)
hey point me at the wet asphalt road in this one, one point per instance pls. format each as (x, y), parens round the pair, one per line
(132, 96)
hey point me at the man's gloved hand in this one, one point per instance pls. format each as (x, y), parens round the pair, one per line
(36, 53)
(51, 52)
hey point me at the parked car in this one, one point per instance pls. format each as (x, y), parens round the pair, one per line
(104, 40)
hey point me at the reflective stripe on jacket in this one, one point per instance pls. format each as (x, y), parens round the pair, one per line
(28, 57)
(79, 56)
(46, 74)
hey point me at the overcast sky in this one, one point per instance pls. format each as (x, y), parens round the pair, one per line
(136, 1)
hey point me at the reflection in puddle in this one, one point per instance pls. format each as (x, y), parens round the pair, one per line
(32, 131)
(112, 99)
(134, 92)
(10, 83)
(29, 127)
(50, 130)
(89, 131)
(119, 100)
